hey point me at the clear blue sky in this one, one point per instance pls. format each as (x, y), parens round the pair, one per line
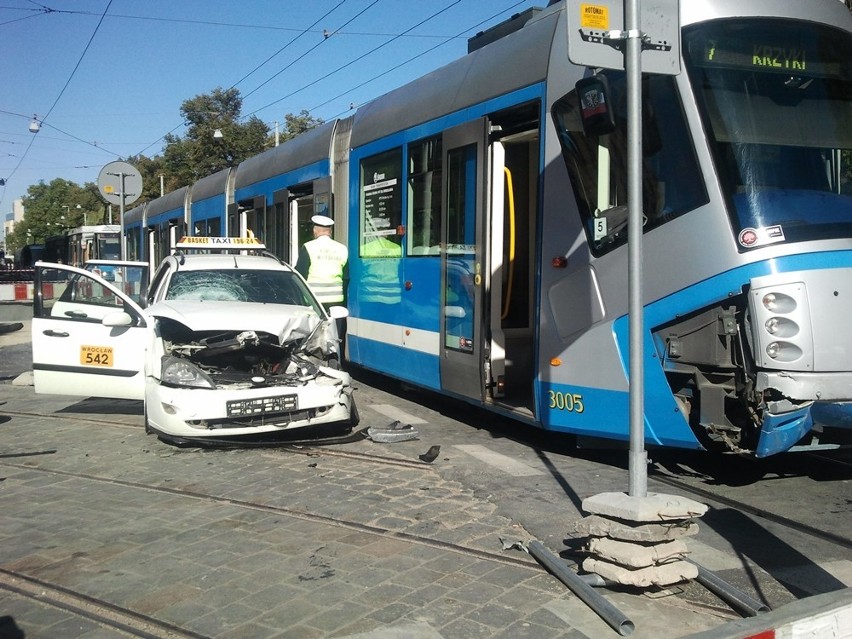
(108, 76)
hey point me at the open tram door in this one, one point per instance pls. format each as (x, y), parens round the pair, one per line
(487, 288)
(463, 240)
(247, 214)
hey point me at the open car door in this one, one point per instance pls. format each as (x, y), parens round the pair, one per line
(89, 337)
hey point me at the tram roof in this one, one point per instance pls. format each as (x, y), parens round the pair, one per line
(135, 214)
(170, 201)
(515, 61)
(211, 185)
(305, 149)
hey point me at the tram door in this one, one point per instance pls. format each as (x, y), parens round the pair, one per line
(464, 237)
(301, 227)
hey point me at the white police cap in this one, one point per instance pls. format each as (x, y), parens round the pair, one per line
(322, 220)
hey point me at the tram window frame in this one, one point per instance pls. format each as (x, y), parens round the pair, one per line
(672, 182)
(425, 174)
(381, 237)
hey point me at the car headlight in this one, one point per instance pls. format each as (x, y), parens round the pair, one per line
(179, 372)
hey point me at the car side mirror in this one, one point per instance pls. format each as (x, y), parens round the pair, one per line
(338, 312)
(118, 318)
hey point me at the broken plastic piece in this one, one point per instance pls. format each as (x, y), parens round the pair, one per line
(391, 435)
(430, 455)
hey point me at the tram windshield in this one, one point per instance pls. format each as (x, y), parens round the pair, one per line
(109, 246)
(776, 97)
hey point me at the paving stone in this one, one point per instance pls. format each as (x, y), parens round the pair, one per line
(237, 559)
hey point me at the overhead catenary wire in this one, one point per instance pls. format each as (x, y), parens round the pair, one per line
(59, 96)
(345, 29)
(316, 22)
(411, 59)
(359, 58)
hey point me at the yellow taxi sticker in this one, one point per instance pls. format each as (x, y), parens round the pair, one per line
(96, 355)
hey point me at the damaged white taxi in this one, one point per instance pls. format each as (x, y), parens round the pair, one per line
(227, 344)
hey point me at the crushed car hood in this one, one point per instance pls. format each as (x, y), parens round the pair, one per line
(287, 322)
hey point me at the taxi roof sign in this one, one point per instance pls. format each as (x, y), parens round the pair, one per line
(219, 243)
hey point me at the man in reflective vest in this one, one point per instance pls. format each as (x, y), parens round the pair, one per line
(322, 262)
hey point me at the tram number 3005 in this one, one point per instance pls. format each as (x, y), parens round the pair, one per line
(573, 403)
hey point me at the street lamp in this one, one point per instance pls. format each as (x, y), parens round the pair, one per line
(68, 211)
(35, 125)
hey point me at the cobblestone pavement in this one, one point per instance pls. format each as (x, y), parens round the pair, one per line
(263, 542)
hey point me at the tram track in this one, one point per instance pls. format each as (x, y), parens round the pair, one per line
(95, 610)
(309, 450)
(289, 512)
(136, 624)
(762, 513)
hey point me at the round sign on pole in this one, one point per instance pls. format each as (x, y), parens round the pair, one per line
(120, 183)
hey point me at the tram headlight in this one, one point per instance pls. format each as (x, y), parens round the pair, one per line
(779, 303)
(783, 351)
(772, 350)
(782, 332)
(772, 325)
(781, 327)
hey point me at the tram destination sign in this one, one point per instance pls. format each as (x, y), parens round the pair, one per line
(597, 34)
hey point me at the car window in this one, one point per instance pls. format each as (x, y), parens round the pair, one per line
(268, 287)
(79, 298)
(130, 279)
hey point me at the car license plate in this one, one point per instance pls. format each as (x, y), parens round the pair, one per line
(96, 355)
(277, 404)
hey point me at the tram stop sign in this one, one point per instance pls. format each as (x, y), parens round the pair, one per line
(120, 183)
(596, 31)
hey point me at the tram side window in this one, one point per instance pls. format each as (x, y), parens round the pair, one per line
(132, 243)
(671, 180)
(424, 197)
(381, 204)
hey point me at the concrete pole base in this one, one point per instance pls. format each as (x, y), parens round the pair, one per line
(637, 541)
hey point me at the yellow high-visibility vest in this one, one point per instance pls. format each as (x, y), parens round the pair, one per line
(325, 275)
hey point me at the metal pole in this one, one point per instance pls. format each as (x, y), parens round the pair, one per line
(737, 599)
(617, 620)
(121, 218)
(638, 462)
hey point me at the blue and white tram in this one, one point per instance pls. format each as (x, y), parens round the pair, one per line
(277, 191)
(134, 233)
(165, 223)
(486, 224)
(488, 232)
(209, 199)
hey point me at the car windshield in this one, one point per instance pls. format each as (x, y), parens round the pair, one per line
(777, 100)
(266, 287)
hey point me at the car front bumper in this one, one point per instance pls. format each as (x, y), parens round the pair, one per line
(246, 411)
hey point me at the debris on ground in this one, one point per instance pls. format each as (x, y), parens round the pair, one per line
(430, 455)
(393, 432)
(10, 327)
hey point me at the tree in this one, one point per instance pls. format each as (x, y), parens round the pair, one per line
(152, 170)
(52, 209)
(297, 124)
(199, 153)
